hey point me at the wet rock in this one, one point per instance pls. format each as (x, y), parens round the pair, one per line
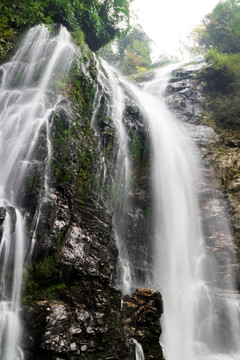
(83, 254)
(226, 162)
(86, 323)
(184, 94)
(142, 311)
(53, 224)
(134, 225)
(33, 184)
(74, 309)
(2, 218)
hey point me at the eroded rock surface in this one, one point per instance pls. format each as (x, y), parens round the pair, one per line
(142, 312)
(2, 218)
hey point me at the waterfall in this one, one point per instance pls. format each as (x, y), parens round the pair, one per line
(108, 83)
(201, 319)
(28, 96)
(122, 176)
(201, 312)
(139, 350)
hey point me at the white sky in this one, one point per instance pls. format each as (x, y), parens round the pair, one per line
(168, 22)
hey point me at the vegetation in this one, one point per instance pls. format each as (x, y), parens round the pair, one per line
(100, 21)
(163, 60)
(219, 35)
(222, 28)
(131, 54)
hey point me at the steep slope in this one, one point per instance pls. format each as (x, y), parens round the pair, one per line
(70, 195)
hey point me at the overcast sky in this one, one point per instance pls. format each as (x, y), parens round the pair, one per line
(168, 22)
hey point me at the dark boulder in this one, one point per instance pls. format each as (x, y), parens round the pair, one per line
(142, 311)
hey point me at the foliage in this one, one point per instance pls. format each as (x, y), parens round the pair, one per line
(222, 28)
(226, 111)
(194, 39)
(228, 63)
(100, 20)
(110, 53)
(104, 20)
(222, 76)
(134, 51)
(130, 53)
(16, 15)
(221, 80)
(164, 60)
(219, 34)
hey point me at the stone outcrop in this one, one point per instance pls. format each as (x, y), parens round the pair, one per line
(2, 218)
(86, 323)
(72, 308)
(184, 93)
(142, 312)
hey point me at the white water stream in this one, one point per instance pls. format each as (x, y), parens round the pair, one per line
(122, 173)
(27, 99)
(108, 83)
(139, 350)
(201, 321)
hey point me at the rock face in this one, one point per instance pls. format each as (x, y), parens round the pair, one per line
(2, 217)
(72, 307)
(184, 94)
(79, 326)
(137, 220)
(142, 311)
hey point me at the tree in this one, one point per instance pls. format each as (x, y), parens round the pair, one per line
(131, 53)
(222, 28)
(100, 20)
(103, 20)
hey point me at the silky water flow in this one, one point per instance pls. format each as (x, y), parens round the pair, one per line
(108, 82)
(27, 99)
(201, 319)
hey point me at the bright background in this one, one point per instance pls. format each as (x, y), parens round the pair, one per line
(169, 22)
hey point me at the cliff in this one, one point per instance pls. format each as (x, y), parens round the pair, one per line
(71, 301)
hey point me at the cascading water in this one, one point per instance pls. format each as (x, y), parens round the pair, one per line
(27, 98)
(201, 321)
(121, 182)
(139, 351)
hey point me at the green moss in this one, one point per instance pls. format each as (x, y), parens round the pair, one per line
(107, 271)
(82, 94)
(139, 154)
(148, 212)
(45, 272)
(84, 173)
(32, 182)
(221, 84)
(78, 37)
(82, 88)
(62, 133)
(43, 277)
